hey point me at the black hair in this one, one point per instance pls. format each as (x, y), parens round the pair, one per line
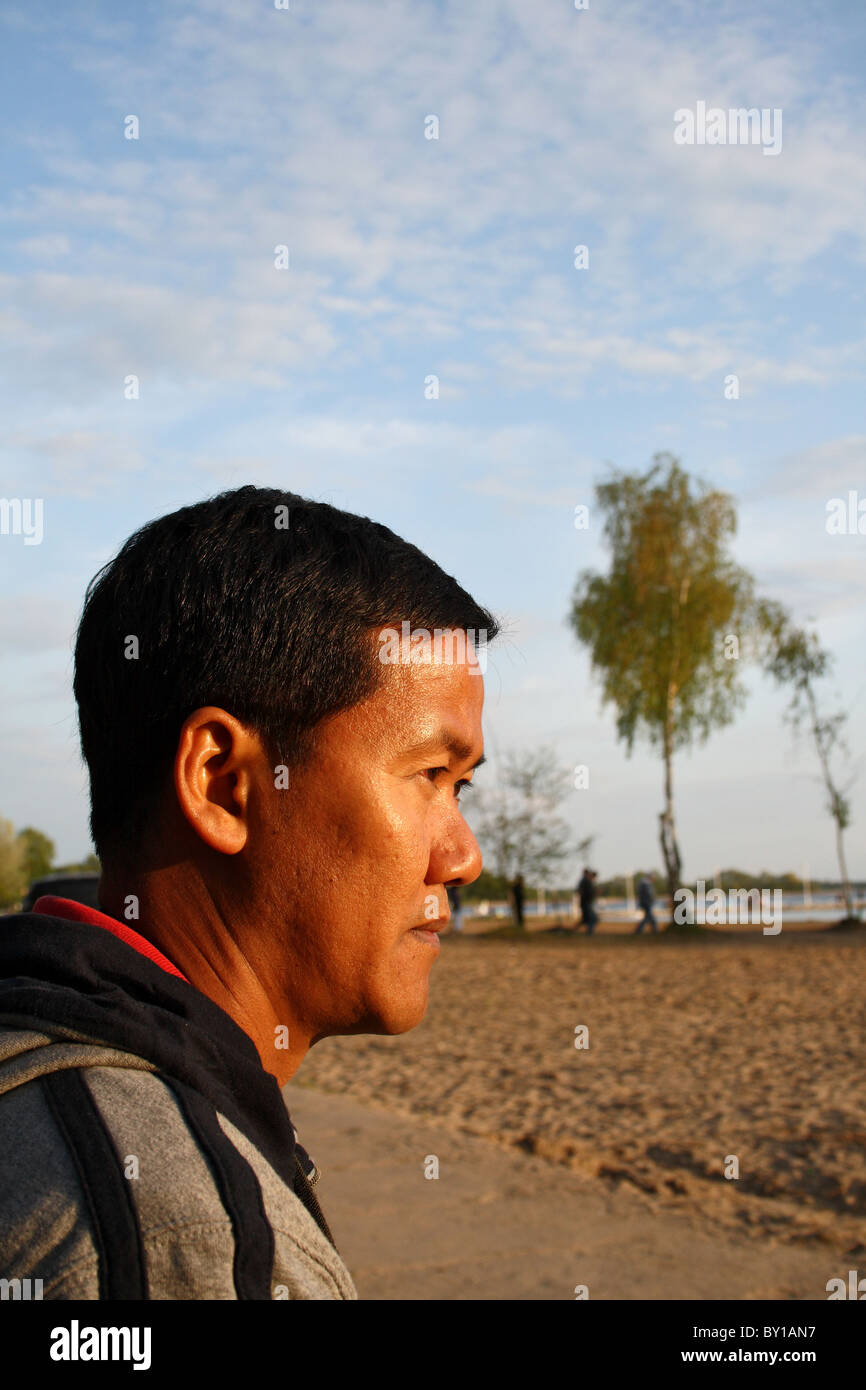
(258, 601)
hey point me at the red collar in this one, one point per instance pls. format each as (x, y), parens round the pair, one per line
(77, 912)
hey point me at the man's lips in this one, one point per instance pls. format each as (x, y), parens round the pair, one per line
(435, 925)
(429, 931)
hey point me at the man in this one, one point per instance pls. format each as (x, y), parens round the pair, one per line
(275, 806)
(645, 900)
(586, 892)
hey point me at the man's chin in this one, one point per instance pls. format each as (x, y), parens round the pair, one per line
(405, 1022)
(392, 1018)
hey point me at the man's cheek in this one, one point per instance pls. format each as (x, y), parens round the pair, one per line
(401, 825)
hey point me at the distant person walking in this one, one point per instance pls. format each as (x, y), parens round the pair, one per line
(586, 891)
(456, 909)
(518, 893)
(646, 898)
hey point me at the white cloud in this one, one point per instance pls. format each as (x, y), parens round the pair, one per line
(308, 129)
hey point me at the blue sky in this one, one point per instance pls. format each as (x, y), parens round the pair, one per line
(411, 256)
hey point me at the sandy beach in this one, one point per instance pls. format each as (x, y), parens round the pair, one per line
(743, 1047)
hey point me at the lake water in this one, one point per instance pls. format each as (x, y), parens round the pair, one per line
(825, 907)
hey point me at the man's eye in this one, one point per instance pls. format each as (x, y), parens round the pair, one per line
(434, 772)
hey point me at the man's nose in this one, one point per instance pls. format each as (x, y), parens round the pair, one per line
(456, 860)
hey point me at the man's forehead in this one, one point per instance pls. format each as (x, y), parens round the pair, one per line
(419, 708)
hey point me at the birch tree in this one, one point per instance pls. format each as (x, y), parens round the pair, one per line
(794, 658)
(653, 623)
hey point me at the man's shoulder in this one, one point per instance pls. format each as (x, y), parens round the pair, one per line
(184, 1187)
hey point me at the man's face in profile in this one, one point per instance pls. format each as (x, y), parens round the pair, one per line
(364, 841)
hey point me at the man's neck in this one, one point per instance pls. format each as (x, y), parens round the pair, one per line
(190, 930)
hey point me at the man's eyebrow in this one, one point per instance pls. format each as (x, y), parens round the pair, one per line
(446, 739)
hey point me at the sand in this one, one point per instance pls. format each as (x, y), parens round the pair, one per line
(501, 1224)
(700, 1052)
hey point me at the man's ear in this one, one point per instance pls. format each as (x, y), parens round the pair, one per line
(214, 774)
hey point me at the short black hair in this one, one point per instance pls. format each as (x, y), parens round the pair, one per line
(257, 600)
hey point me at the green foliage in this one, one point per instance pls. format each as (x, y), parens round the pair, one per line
(653, 625)
(741, 878)
(28, 856)
(729, 878)
(13, 880)
(37, 853)
(487, 885)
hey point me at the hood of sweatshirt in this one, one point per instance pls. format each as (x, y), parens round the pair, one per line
(76, 981)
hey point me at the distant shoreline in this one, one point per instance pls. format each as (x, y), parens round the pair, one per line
(561, 927)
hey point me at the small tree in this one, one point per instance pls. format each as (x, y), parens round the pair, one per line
(12, 877)
(37, 853)
(652, 624)
(795, 658)
(517, 821)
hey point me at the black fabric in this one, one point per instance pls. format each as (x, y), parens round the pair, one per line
(241, 1196)
(114, 1220)
(58, 975)
(303, 1189)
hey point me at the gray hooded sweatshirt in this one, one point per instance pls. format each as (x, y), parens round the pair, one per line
(145, 1153)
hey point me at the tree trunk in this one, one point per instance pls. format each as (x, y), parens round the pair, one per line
(512, 907)
(669, 846)
(846, 883)
(823, 742)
